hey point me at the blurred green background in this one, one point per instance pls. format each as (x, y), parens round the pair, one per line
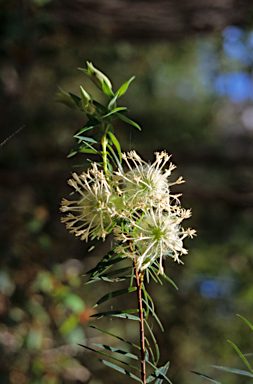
(193, 97)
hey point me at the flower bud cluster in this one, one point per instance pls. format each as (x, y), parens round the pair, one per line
(136, 206)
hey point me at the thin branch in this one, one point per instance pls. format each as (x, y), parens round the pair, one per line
(11, 136)
(139, 280)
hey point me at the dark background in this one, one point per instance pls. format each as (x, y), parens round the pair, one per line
(192, 96)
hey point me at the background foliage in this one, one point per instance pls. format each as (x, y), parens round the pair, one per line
(192, 97)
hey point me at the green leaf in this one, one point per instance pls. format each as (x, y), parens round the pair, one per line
(232, 370)
(127, 120)
(107, 90)
(124, 314)
(116, 143)
(85, 138)
(107, 262)
(121, 370)
(110, 357)
(107, 279)
(241, 356)
(160, 373)
(88, 150)
(109, 274)
(84, 129)
(206, 377)
(76, 99)
(117, 271)
(168, 279)
(100, 107)
(154, 314)
(117, 350)
(72, 153)
(109, 155)
(112, 103)
(65, 98)
(124, 87)
(115, 336)
(110, 295)
(115, 111)
(154, 341)
(127, 316)
(247, 322)
(148, 297)
(115, 158)
(157, 274)
(150, 350)
(165, 276)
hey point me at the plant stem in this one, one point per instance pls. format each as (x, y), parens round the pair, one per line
(139, 279)
(104, 154)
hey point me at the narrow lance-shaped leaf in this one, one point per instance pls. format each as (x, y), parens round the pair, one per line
(88, 150)
(100, 107)
(84, 129)
(206, 377)
(121, 370)
(146, 313)
(160, 373)
(109, 155)
(150, 350)
(124, 314)
(154, 341)
(117, 350)
(79, 147)
(122, 90)
(107, 90)
(165, 276)
(110, 357)
(233, 370)
(155, 315)
(241, 356)
(152, 274)
(117, 271)
(115, 336)
(85, 139)
(149, 298)
(112, 103)
(246, 321)
(109, 280)
(116, 143)
(115, 111)
(110, 295)
(115, 157)
(76, 99)
(107, 261)
(127, 120)
(169, 280)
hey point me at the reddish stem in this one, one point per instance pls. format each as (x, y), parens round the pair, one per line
(139, 279)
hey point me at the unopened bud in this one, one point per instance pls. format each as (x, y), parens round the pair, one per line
(86, 101)
(96, 76)
(65, 98)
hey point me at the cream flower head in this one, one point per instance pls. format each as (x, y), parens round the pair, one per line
(154, 235)
(92, 215)
(145, 183)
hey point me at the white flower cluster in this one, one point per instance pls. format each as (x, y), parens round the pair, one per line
(137, 206)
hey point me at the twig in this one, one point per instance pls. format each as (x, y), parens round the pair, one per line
(11, 136)
(139, 280)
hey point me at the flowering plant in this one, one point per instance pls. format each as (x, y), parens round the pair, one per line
(122, 195)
